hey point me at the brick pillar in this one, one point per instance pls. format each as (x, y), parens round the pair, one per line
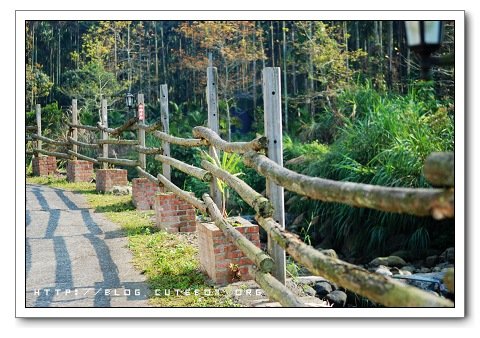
(173, 214)
(44, 165)
(217, 252)
(108, 178)
(143, 193)
(79, 171)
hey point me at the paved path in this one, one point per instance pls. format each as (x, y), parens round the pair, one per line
(76, 257)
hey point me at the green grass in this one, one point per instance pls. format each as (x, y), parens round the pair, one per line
(169, 261)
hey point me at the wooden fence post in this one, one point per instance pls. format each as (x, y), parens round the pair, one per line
(38, 113)
(272, 101)
(166, 128)
(74, 129)
(213, 124)
(104, 121)
(142, 158)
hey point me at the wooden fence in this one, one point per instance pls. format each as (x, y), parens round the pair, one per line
(264, 154)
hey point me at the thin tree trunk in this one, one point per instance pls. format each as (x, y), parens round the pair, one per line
(272, 45)
(157, 83)
(390, 52)
(254, 75)
(310, 73)
(357, 36)
(285, 90)
(294, 64)
(164, 65)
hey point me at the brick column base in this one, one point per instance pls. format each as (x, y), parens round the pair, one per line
(44, 165)
(173, 214)
(79, 171)
(143, 193)
(219, 257)
(108, 178)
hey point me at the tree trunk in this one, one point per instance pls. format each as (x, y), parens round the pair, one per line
(285, 90)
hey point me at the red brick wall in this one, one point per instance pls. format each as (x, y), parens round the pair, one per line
(44, 165)
(217, 253)
(173, 214)
(143, 193)
(79, 171)
(107, 178)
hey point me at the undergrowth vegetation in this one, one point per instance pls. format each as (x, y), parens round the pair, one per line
(382, 140)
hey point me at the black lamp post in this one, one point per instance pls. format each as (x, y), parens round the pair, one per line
(424, 38)
(129, 101)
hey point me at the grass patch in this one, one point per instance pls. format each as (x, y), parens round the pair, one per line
(168, 261)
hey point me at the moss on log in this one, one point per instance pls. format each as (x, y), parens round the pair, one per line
(148, 176)
(82, 144)
(186, 142)
(49, 140)
(439, 169)
(148, 151)
(120, 142)
(376, 287)
(212, 138)
(79, 126)
(191, 170)
(52, 153)
(118, 130)
(438, 203)
(276, 290)
(261, 205)
(82, 157)
(118, 161)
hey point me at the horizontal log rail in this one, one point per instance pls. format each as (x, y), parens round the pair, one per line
(148, 150)
(438, 203)
(118, 161)
(82, 144)
(254, 253)
(49, 140)
(186, 142)
(31, 128)
(116, 131)
(199, 173)
(439, 169)
(260, 143)
(82, 157)
(376, 287)
(81, 126)
(259, 203)
(119, 142)
(52, 153)
(185, 195)
(148, 128)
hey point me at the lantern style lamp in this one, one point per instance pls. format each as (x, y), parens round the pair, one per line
(424, 38)
(129, 100)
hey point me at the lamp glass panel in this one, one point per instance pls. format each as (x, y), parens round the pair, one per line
(413, 33)
(432, 32)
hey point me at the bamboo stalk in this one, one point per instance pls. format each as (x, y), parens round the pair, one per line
(255, 254)
(147, 175)
(186, 142)
(253, 198)
(82, 144)
(376, 287)
(415, 201)
(276, 290)
(79, 126)
(52, 153)
(439, 169)
(118, 161)
(83, 157)
(148, 151)
(186, 196)
(212, 138)
(113, 141)
(49, 140)
(191, 170)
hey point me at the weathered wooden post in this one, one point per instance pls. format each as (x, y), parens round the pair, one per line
(38, 113)
(74, 129)
(272, 103)
(104, 121)
(213, 124)
(141, 132)
(166, 129)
